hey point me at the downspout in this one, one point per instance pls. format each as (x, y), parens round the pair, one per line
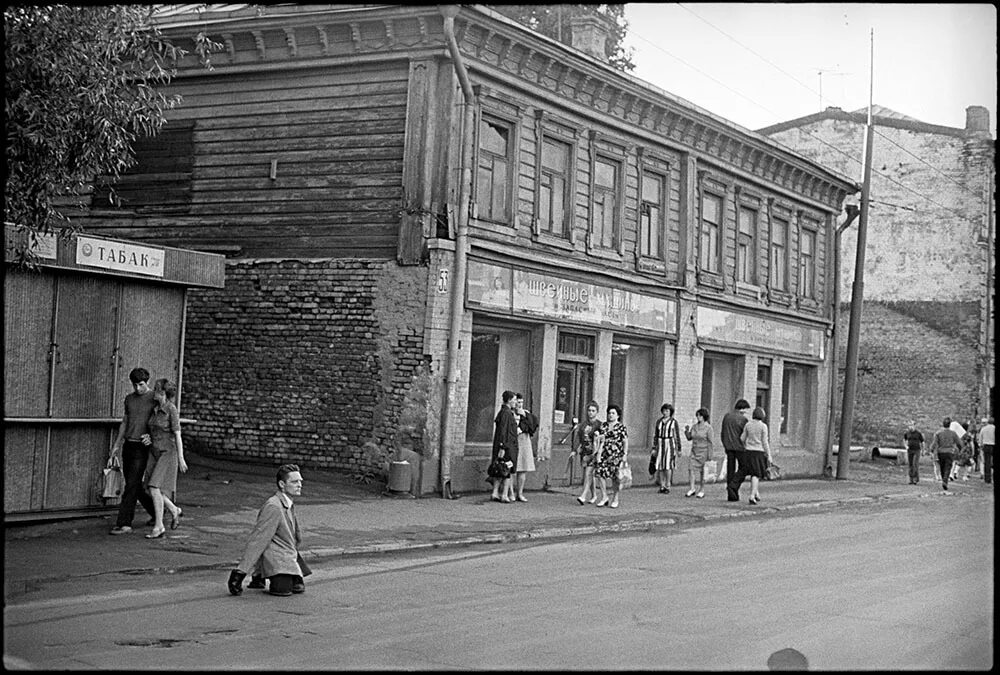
(449, 12)
(852, 214)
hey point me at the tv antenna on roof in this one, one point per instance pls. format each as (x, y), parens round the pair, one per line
(819, 73)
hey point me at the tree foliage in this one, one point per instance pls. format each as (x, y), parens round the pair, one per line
(81, 84)
(554, 21)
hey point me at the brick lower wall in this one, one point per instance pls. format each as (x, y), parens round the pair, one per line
(916, 360)
(307, 361)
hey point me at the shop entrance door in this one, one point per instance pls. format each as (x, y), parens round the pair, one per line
(574, 390)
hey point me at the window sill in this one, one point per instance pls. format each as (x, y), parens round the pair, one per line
(654, 265)
(552, 240)
(711, 280)
(605, 253)
(808, 303)
(754, 291)
(779, 297)
(491, 229)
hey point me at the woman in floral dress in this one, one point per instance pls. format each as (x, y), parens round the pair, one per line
(612, 455)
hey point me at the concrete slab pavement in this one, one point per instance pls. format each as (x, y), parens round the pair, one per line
(342, 517)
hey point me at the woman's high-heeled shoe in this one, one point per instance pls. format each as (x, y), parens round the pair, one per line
(156, 534)
(583, 502)
(603, 502)
(752, 500)
(175, 521)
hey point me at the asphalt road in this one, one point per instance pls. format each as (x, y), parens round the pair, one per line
(884, 587)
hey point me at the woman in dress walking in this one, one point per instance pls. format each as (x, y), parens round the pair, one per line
(757, 451)
(166, 455)
(702, 438)
(612, 455)
(527, 425)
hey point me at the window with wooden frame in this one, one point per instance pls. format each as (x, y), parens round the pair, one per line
(159, 181)
(710, 237)
(807, 263)
(605, 203)
(495, 169)
(779, 253)
(652, 213)
(747, 219)
(555, 183)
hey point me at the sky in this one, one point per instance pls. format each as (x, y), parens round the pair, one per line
(758, 64)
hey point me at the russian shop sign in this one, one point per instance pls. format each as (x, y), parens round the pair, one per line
(509, 290)
(119, 256)
(732, 328)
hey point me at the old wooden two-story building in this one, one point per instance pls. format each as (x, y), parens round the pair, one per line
(423, 206)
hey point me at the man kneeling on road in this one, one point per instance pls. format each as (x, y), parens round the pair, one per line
(272, 551)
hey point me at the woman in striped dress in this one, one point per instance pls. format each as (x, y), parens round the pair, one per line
(666, 447)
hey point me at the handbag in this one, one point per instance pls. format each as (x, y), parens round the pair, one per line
(625, 475)
(652, 463)
(498, 468)
(773, 472)
(114, 479)
(709, 471)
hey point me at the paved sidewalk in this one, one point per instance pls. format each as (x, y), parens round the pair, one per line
(341, 517)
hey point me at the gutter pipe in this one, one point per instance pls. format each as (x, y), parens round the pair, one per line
(448, 431)
(852, 214)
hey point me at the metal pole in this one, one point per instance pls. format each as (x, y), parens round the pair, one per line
(857, 297)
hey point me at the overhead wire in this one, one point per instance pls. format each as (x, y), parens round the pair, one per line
(806, 131)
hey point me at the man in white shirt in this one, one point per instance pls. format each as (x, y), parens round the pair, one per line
(987, 439)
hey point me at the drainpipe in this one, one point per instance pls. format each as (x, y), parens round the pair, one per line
(852, 214)
(449, 12)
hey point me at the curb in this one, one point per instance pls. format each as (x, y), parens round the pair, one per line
(536, 534)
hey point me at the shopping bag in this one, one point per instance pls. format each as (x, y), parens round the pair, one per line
(625, 476)
(709, 470)
(114, 479)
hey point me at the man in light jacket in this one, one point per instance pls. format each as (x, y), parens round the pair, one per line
(272, 550)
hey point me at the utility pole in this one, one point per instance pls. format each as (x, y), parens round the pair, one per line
(857, 290)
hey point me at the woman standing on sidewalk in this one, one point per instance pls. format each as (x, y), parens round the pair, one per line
(167, 455)
(612, 455)
(527, 425)
(757, 451)
(702, 437)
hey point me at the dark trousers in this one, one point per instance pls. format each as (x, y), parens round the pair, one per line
(988, 463)
(913, 457)
(135, 455)
(734, 472)
(945, 460)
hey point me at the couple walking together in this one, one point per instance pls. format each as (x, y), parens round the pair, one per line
(150, 431)
(512, 457)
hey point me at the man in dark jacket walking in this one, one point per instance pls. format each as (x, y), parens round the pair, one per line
(732, 429)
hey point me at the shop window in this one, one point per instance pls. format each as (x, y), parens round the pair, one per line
(651, 210)
(796, 402)
(554, 195)
(764, 389)
(746, 246)
(499, 359)
(483, 395)
(709, 252)
(721, 383)
(605, 202)
(493, 179)
(779, 254)
(629, 387)
(807, 264)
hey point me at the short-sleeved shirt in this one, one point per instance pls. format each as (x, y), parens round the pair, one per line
(137, 409)
(585, 433)
(914, 439)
